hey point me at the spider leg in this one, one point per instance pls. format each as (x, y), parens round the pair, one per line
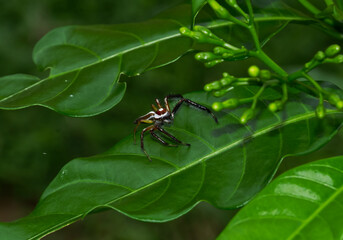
(138, 121)
(154, 107)
(142, 140)
(166, 103)
(171, 136)
(158, 103)
(154, 135)
(194, 104)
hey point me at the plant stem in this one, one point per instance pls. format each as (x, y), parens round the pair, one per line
(252, 27)
(257, 95)
(260, 54)
(284, 93)
(270, 63)
(309, 6)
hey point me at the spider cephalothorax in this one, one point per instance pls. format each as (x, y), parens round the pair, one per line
(164, 115)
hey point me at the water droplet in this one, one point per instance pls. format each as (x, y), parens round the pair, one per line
(44, 153)
(137, 74)
(64, 173)
(65, 80)
(71, 95)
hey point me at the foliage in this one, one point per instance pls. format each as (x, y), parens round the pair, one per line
(304, 202)
(263, 118)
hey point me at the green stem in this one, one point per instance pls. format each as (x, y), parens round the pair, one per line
(252, 27)
(309, 6)
(238, 9)
(284, 93)
(260, 54)
(257, 95)
(270, 63)
(317, 86)
(223, 13)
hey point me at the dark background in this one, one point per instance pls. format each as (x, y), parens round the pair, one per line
(36, 142)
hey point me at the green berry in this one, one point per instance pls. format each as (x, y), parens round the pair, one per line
(339, 105)
(219, 93)
(334, 98)
(247, 115)
(217, 106)
(231, 103)
(216, 85)
(185, 31)
(220, 50)
(338, 59)
(208, 87)
(320, 111)
(225, 74)
(205, 56)
(253, 71)
(219, 10)
(228, 55)
(213, 63)
(202, 29)
(226, 81)
(265, 74)
(320, 55)
(275, 106)
(332, 50)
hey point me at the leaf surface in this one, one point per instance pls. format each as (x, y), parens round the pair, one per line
(303, 203)
(86, 62)
(226, 165)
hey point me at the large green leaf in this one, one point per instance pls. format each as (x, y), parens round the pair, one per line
(303, 203)
(226, 165)
(86, 62)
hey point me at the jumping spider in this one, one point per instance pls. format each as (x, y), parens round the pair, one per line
(160, 116)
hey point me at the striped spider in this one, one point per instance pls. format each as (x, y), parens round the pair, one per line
(164, 115)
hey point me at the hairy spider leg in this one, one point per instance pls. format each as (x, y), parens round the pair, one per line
(142, 140)
(166, 103)
(171, 136)
(154, 135)
(158, 103)
(154, 107)
(142, 119)
(188, 101)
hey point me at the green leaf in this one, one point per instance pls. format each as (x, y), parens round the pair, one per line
(303, 203)
(226, 165)
(86, 62)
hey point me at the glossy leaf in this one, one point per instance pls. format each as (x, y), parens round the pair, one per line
(85, 63)
(226, 165)
(303, 203)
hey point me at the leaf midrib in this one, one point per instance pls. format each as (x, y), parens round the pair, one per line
(212, 154)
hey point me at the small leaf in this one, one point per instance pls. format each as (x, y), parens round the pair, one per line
(225, 165)
(303, 203)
